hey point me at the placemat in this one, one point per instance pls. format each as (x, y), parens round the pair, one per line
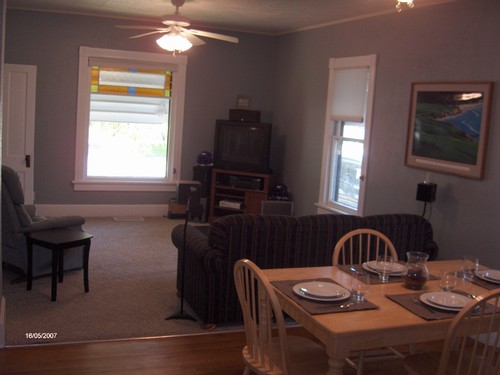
(482, 283)
(411, 302)
(348, 268)
(320, 307)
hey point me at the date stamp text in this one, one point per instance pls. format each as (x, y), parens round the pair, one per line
(41, 335)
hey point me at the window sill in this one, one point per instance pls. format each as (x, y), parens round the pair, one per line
(124, 186)
(322, 208)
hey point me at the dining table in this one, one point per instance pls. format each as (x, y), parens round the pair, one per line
(384, 322)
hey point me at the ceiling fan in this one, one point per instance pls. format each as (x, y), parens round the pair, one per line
(176, 34)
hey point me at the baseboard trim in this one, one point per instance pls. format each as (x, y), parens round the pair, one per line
(101, 210)
(2, 322)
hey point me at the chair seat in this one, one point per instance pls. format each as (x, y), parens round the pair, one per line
(306, 357)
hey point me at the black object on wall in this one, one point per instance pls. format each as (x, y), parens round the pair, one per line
(426, 192)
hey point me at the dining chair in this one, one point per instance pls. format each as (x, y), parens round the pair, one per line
(362, 245)
(356, 247)
(269, 349)
(472, 344)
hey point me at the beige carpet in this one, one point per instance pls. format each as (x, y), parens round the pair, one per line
(132, 289)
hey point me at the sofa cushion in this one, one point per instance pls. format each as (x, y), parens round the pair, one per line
(256, 237)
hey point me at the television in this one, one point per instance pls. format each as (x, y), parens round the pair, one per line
(242, 146)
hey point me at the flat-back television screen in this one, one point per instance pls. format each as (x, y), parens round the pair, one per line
(242, 146)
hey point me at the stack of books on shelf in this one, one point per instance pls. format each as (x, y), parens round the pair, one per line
(226, 203)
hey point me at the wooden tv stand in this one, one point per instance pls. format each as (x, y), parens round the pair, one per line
(233, 192)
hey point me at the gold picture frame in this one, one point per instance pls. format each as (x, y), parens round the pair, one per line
(448, 127)
(244, 102)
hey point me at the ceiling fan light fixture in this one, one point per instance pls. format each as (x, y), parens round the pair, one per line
(174, 42)
(408, 3)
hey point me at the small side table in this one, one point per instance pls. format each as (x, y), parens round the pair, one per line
(58, 240)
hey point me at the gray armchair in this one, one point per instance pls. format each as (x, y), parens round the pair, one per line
(19, 219)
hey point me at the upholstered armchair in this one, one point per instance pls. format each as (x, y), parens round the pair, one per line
(19, 219)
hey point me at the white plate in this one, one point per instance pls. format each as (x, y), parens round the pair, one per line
(445, 300)
(397, 268)
(321, 291)
(492, 276)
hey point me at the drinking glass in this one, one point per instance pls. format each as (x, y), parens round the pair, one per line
(448, 281)
(384, 267)
(359, 286)
(470, 264)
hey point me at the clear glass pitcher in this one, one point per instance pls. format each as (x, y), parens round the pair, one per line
(417, 273)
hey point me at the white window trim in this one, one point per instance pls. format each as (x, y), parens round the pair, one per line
(323, 202)
(84, 183)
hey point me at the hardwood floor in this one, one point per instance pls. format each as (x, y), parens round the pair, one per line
(206, 354)
(190, 354)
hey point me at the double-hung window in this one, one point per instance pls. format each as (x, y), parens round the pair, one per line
(129, 120)
(347, 134)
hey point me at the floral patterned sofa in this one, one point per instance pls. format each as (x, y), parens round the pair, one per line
(275, 241)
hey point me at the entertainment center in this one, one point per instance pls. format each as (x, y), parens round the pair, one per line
(235, 192)
(241, 178)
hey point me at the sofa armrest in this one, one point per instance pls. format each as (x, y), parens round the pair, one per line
(197, 247)
(54, 223)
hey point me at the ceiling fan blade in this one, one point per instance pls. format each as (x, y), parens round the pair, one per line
(158, 31)
(207, 34)
(193, 39)
(137, 27)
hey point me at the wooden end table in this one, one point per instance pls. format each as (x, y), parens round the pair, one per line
(58, 240)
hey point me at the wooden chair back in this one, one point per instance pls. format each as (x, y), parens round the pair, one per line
(472, 345)
(261, 311)
(362, 245)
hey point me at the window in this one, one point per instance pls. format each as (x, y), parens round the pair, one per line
(129, 120)
(347, 133)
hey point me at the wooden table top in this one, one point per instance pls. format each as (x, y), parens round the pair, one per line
(59, 236)
(390, 324)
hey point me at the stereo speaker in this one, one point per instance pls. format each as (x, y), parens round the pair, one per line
(200, 216)
(244, 115)
(203, 174)
(276, 207)
(426, 192)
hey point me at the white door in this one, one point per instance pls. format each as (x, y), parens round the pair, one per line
(18, 134)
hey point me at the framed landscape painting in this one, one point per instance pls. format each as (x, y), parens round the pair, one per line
(448, 127)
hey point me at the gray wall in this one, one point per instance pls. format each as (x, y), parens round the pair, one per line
(453, 42)
(287, 78)
(217, 72)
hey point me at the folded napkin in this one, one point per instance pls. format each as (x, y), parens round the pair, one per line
(314, 307)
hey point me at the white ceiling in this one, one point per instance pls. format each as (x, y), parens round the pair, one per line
(272, 17)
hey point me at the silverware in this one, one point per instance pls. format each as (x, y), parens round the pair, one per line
(363, 273)
(355, 270)
(464, 293)
(346, 305)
